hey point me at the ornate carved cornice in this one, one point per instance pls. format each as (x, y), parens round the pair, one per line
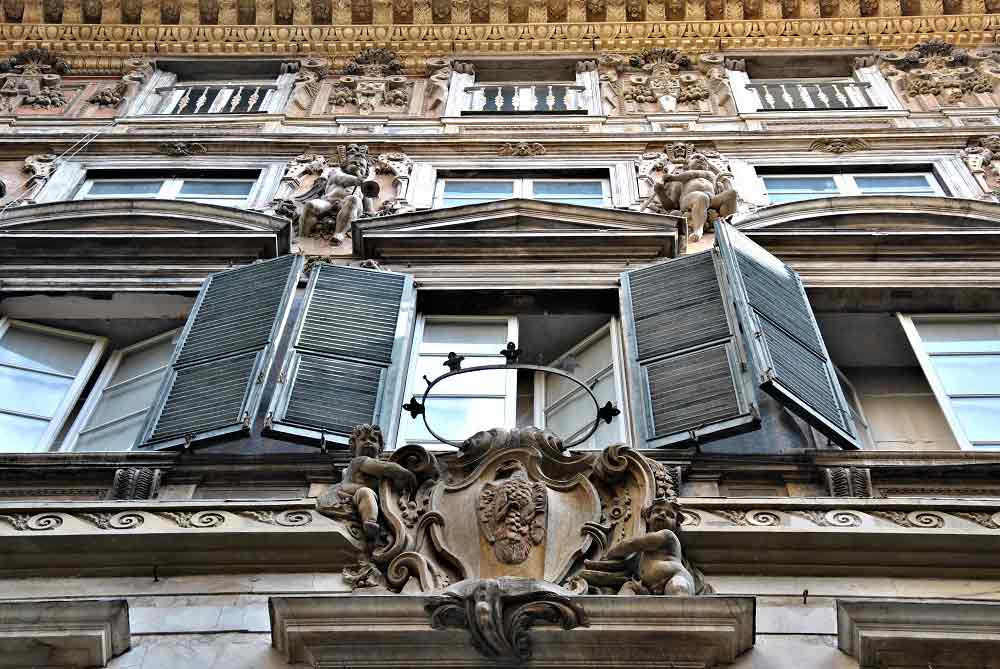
(575, 36)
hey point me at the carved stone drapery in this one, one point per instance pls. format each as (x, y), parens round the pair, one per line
(656, 80)
(935, 74)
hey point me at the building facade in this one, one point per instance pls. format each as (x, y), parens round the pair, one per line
(551, 333)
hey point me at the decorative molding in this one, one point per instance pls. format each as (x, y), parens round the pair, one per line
(182, 148)
(65, 633)
(889, 32)
(840, 145)
(521, 149)
(934, 74)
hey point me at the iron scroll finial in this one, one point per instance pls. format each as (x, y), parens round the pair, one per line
(414, 407)
(511, 353)
(454, 362)
(608, 412)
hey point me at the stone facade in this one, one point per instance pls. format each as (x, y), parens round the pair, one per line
(408, 334)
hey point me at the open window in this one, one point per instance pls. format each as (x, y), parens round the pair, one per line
(43, 371)
(706, 332)
(960, 355)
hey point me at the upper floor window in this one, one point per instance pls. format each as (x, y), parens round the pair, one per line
(808, 94)
(792, 187)
(961, 358)
(200, 99)
(525, 86)
(229, 188)
(453, 192)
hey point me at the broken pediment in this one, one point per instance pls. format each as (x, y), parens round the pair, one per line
(124, 228)
(516, 228)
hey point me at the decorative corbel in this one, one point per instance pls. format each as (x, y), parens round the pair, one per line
(982, 157)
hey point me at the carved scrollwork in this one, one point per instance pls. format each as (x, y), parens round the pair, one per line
(831, 518)
(290, 518)
(114, 521)
(936, 73)
(38, 522)
(194, 519)
(498, 613)
(840, 145)
(916, 519)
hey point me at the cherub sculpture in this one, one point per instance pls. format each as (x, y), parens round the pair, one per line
(697, 191)
(343, 191)
(660, 569)
(359, 484)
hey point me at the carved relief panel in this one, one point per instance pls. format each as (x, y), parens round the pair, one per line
(935, 74)
(664, 80)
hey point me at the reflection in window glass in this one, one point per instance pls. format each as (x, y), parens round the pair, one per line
(965, 357)
(457, 193)
(795, 187)
(587, 193)
(123, 188)
(232, 188)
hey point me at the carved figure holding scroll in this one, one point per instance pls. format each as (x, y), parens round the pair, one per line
(343, 191)
(697, 191)
(660, 568)
(361, 477)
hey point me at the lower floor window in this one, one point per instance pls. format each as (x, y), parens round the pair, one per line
(461, 405)
(227, 189)
(793, 187)
(961, 357)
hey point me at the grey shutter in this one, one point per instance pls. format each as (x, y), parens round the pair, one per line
(786, 347)
(686, 362)
(223, 355)
(349, 346)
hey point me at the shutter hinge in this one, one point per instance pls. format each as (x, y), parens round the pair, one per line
(246, 419)
(260, 376)
(268, 421)
(768, 375)
(188, 438)
(282, 377)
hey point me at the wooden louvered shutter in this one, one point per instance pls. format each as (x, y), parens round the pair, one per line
(349, 346)
(686, 363)
(783, 337)
(222, 357)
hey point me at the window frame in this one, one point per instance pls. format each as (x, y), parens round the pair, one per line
(523, 188)
(80, 379)
(846, 184)
(909, 323)
(618, 374)
(168, 99)
(170, 190)
(409, 382)
(101, 386)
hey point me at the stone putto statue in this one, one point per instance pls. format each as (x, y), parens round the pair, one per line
(361, 477)
(660, 569)
(343, 192)
(697, 191)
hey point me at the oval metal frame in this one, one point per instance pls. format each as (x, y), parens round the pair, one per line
(537, 368)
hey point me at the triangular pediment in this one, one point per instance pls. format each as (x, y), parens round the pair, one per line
(527, 226)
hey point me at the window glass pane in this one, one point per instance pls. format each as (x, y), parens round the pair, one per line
(894, 182)
(144, 360)
(801, 184)
(455, 419)
(492, 382)
(960, 337)
(118, 436)
(215, 189)
(969, 374)
(43, 351)
(123, 188)
(487, 190)
(32, 392)
(980, 418)
(563, 189)
(465, 338)
(125, 399)
(20, 434)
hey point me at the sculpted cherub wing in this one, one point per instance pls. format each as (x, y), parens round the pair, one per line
(315, 191)
(487, 499)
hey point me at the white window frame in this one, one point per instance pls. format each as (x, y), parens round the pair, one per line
(909, 324)
(80, 379)
(524, 187)
(616, 369)
(171, 188)
(846, 185)
(415, 386)
(101, 387)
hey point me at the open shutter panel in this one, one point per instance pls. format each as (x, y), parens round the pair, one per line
(788, 351)
(349, 345)
(685, 360)
(223, 355)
